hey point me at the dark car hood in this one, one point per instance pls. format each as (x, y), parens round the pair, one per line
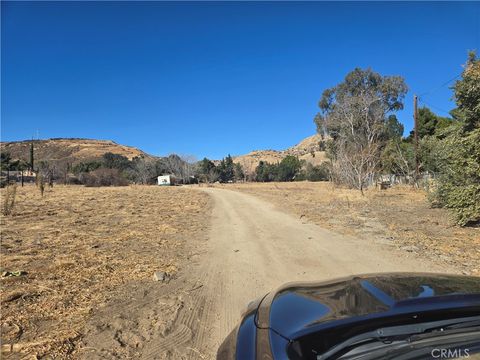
(296, 307)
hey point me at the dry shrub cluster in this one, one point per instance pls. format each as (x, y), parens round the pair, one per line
(72, 248)
(104, 177)
(400, 216)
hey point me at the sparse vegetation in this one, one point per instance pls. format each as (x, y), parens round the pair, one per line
(77, 249)
(9, 199)
(40, 183)
(104, 177)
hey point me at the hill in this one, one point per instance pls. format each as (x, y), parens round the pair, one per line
(75, 150)
(308, 149)
(71, 150)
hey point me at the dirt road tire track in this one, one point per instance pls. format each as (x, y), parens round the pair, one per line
(252, 249)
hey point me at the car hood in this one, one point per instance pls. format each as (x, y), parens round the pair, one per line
(295, 307)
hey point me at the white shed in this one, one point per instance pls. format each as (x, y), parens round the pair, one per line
(166, 180)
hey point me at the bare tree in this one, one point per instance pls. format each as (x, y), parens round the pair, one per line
(144, 170)
(63, 167)
(181, 166)
(174, 165)
(188, 170)
(46, 172)
(404, 165)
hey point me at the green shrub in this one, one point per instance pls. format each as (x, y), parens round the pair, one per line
(457, 151)
(314, 173)
(458, 185)
(265, 172)
(288, 168)
(84, 167)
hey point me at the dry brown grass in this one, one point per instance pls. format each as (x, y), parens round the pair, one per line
(79, 244)
(400, 216)
(8, 199)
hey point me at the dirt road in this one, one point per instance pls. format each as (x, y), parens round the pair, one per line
(252, 249)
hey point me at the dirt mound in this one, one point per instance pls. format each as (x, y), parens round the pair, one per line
(309, 149)
(72, 150)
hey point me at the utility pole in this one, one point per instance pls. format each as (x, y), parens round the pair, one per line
(415, 118)
(31, 156)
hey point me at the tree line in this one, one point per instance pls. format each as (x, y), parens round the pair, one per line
(109, 170)
(289, 168)
(115, 169)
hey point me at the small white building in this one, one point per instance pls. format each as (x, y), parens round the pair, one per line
(166, 180)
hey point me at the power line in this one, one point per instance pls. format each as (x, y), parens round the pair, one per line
(434, 107)
(441, 86)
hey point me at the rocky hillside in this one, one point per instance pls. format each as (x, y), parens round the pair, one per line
(71, 150)
(308, 150)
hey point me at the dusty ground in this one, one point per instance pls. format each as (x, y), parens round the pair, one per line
(257, 247)
(253, 248)
(400, 217)
(89, 293)
(82, 248)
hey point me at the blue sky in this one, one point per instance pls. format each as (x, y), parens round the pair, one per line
(211, 78)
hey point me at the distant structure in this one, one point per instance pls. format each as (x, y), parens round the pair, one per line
(166, 180)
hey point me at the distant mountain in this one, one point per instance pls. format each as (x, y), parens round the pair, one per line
(308, 149)
(72, 150)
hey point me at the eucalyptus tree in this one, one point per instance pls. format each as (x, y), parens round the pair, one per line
(354, 115)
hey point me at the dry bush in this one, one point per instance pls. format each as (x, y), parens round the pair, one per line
(9, 199)
(40, 181)
(104, 177)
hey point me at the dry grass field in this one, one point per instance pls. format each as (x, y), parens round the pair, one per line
(77, 264)
(75, 246)
(399, 216)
